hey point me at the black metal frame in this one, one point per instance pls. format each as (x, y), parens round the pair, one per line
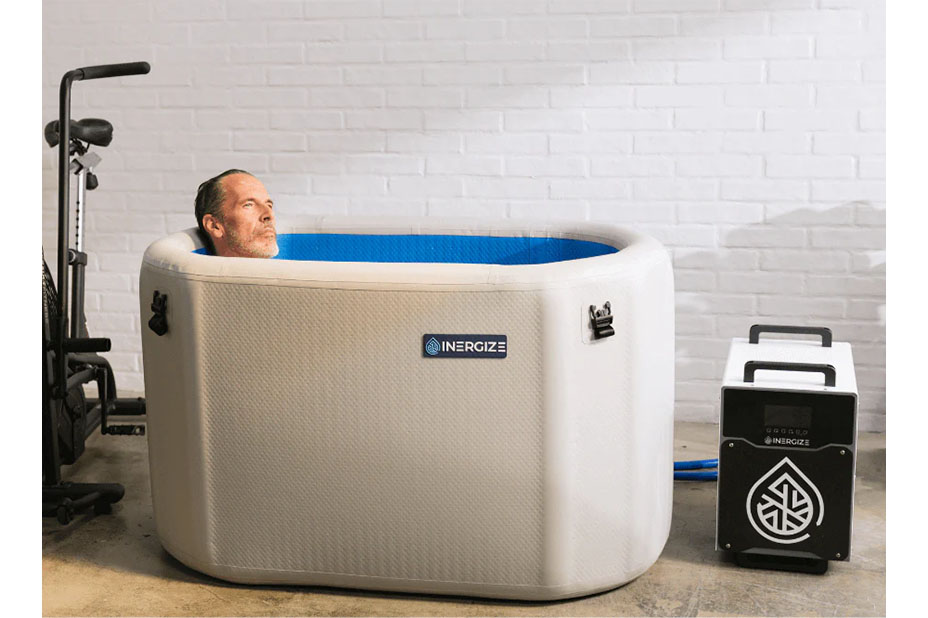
(72, 361)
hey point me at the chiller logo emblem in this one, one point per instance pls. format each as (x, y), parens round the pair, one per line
(432, 346)
(784, 504)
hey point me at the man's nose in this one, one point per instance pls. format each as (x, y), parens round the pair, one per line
(268, 214)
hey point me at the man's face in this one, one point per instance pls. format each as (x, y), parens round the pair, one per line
(246, 228)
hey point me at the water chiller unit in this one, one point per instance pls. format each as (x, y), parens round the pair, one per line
(787, 449)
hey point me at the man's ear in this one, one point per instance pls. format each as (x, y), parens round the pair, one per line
(213, 226)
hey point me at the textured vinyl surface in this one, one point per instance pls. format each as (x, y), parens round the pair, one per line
(354, 454)
(297, 435)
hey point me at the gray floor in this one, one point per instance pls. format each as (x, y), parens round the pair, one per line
(114, 564)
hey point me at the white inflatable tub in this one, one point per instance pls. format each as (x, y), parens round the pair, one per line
(414, 405)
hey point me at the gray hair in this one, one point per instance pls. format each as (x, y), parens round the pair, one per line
(210, 196)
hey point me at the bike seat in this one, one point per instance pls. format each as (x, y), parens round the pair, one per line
(94, 131)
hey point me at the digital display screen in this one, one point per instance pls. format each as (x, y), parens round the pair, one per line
(795, 417)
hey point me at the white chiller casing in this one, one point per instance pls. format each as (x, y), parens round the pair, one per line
(297, 435)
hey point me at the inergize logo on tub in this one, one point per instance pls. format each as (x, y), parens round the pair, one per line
(464, 346)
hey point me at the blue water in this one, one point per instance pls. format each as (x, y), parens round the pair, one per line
(435, 249)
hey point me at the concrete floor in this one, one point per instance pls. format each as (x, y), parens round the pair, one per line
(114, 564)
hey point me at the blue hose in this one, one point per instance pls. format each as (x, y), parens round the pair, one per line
(696, 470)
(697, 464)
(697, 475)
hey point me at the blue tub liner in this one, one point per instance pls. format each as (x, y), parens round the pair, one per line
(434, 248)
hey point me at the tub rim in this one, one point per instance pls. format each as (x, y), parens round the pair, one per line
(175, 253)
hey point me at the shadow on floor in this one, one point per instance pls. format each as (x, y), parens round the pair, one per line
(871, 466)
(188, 574)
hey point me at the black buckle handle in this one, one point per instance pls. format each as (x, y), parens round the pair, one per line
(159, 322)
(601, 321)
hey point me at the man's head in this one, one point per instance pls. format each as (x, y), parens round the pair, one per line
(235, 213)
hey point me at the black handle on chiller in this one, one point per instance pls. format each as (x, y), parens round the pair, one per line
(112, 70)
(823, 331)
(751, 366)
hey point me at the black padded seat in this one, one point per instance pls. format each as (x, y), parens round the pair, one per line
(94, 131)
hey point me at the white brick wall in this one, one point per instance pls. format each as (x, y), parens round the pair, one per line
(747, 135)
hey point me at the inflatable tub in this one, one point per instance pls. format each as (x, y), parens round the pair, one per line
(427, 405)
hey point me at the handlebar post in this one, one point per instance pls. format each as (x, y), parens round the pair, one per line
(60, 329)
(64, 130)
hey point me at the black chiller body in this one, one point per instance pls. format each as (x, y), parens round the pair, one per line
(787, 451)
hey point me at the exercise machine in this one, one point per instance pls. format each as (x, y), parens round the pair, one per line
(70, 357)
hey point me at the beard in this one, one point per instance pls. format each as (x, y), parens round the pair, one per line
(257, 246)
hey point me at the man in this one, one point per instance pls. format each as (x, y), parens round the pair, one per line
(236, 215)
